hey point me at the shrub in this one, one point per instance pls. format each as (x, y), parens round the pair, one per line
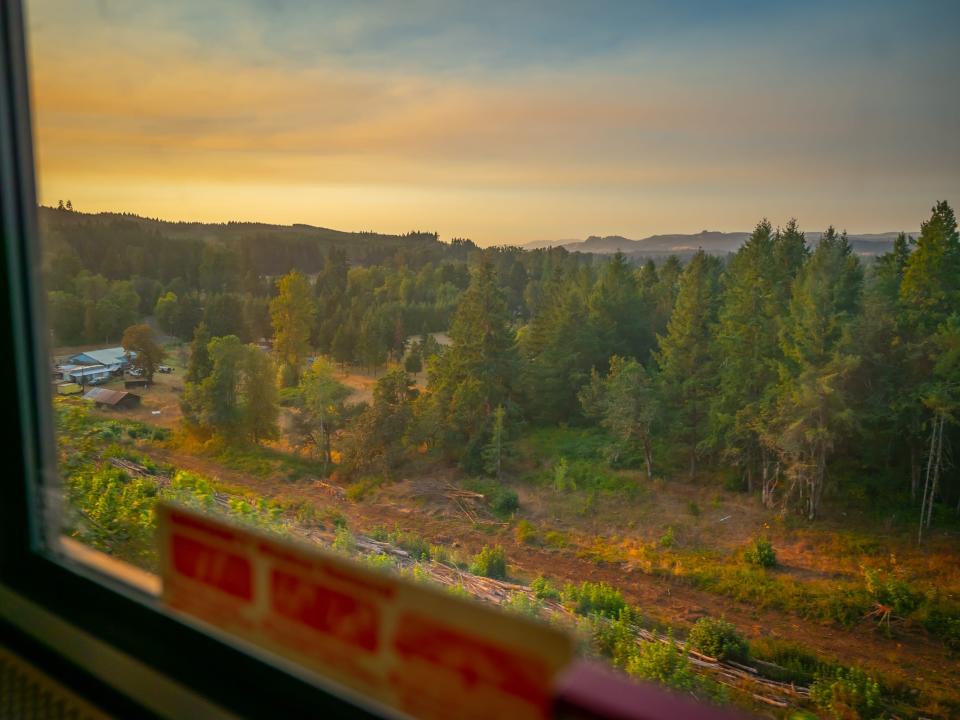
(667, 539)
(891, 591)
(594, 598)
(846, 692)
(490, 562)
(761, 553)
(523, 604)
(544, 590)
(416, 545)
(663, 663)
(335, 518)
(719, 639)
(363, 487)
(555, 539)
(616, 639)
(693, 508)
(380, 561)
(504, 503)
(798, 665)
(344, 541)
(525, 533)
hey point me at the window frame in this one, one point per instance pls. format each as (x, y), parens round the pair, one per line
(120, 616)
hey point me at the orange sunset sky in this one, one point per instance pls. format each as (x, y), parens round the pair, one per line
(504, 123)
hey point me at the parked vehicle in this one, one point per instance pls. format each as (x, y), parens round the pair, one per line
(165, 369)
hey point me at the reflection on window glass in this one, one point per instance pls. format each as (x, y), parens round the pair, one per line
(724, 457)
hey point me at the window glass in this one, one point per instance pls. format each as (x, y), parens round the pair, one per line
(429, 285)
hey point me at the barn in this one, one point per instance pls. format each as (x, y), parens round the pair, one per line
(114, 359)
(102, 397)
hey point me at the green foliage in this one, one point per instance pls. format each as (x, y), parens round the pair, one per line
(525, 533)
(543, 589)
(891, 591)
(594, 598)
(796, 663)
(237, 400)
(490, 562)
(845, 693)
(555, 539)
(291, 313)
(761, 553)
(376, 439)
(625, 401)
(687, 357)
(523, 604)
(469, 380)
(344, 541)
(418, 546)
(719, 639)
(363, 488)
(667, 539)
(501, 500)
(666, 664)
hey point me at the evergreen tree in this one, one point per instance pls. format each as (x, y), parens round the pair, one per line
(813, 412)
(494, 451)
(747, 343)
(626, 404)
(476, 374)
(687, 356)
(616, 310)
(378, 435)
(199, 365)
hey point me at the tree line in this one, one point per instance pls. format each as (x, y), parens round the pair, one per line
(793, 370)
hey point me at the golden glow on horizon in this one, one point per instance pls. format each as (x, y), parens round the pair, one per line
(148, 124)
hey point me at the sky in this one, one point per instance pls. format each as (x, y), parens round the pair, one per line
(503, 122)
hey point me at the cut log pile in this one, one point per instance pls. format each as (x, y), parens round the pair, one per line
(739, 676)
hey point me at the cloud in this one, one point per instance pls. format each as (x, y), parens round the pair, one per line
(635, 128)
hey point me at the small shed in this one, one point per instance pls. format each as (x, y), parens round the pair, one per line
(103, 397)
(128, 384)
(69, 388)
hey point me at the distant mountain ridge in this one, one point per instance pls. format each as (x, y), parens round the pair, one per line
(712, 242)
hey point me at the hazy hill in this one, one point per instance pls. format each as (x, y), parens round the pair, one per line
(713, 242)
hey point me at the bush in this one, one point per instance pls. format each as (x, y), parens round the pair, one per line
(719, 639)
(665, 664)
(892, 592)
(504, 503)
(523, 604)
(363, 487)
(380, 561)
(417, 546)
(555, 539)
(543, 589)
(344, 541)
(798, 665)
(490, 562)
(667, 539)
(761, 553)
(594, 598)
(525, 533)
(845, 693)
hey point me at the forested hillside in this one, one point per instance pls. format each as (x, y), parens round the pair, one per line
(763, 436)
(796, 372)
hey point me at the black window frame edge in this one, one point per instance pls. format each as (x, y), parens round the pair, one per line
(213, 669)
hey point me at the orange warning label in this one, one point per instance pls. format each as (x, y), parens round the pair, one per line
(410, 646)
